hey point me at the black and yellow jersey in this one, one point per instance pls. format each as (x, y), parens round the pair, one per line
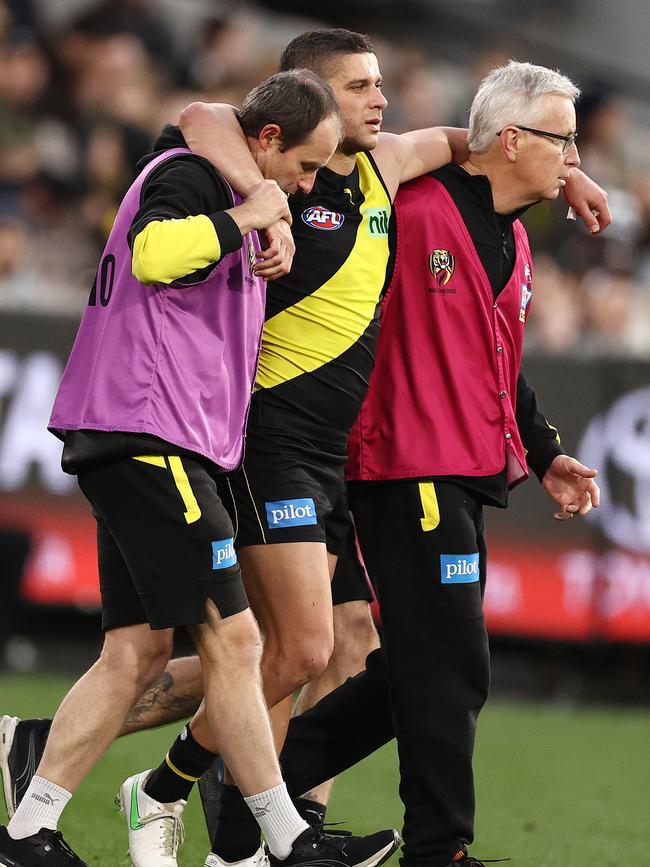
(322, 319)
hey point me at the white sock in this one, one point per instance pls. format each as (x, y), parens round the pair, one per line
(278, 819)
(41, 807)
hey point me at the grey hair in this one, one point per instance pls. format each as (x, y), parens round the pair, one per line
(512, 94)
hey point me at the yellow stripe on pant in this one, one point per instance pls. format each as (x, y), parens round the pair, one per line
(192, 508)
(430, 509)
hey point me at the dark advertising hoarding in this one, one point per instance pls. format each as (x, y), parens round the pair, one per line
(581, 579)
(577, 580)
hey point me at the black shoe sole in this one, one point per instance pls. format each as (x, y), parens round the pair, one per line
(389, 850)
(375, 860)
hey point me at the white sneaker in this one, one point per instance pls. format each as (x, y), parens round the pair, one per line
(259, 859)
(7, 731)
(155, 830)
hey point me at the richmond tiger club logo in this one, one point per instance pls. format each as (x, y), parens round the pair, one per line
(441, 265)
(319, 217)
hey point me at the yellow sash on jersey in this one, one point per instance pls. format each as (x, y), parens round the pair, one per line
(326, 323)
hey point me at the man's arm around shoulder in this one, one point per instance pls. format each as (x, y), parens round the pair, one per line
(401, 158)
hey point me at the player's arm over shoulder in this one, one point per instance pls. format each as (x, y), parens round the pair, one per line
(213, 131)
(401, 158)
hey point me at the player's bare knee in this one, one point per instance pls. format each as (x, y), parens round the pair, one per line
(233, 641)
(355, 635)
(244, 641)
(138, 656)
(151, 670)
(310, 658)
(291, 659)
(277, 672)
(314, 662)
(152, 661)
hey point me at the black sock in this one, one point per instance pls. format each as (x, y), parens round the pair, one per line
(174, 778)
(238, 835)
(313, 812)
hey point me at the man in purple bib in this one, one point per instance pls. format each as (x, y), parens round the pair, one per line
(153, 405)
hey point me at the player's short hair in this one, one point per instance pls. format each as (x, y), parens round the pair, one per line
(319, 50)
(512, 94)
(296, 100)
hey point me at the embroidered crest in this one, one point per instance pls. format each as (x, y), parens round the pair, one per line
(441, 265)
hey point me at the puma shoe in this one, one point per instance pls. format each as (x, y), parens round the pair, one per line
(22, 744)
(313, 847)
(45, 849)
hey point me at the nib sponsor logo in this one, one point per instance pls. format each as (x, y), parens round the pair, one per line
(290, 513)
(459, 568)
(378, 222)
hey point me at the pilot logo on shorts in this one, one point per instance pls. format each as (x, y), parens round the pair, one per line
(290, 513)
(441, 265)
(223, 554)
(459, 568)
(319, 217)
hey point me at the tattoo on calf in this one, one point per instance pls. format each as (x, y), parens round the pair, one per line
(160, 705)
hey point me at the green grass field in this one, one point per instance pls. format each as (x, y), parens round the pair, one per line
(556, 787)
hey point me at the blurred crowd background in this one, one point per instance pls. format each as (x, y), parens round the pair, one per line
(86, 85)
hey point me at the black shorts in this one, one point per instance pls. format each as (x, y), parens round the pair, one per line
(288, 489)
(164, 542)
(423, 542)
(350, 582)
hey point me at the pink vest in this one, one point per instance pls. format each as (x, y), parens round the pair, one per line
(174, 361)
(442, 393)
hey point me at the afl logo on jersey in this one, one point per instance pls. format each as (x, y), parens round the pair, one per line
(322, 218)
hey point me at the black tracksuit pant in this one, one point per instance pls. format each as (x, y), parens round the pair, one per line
(424, 548)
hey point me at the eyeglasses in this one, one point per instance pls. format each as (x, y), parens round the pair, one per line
(567, 140)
